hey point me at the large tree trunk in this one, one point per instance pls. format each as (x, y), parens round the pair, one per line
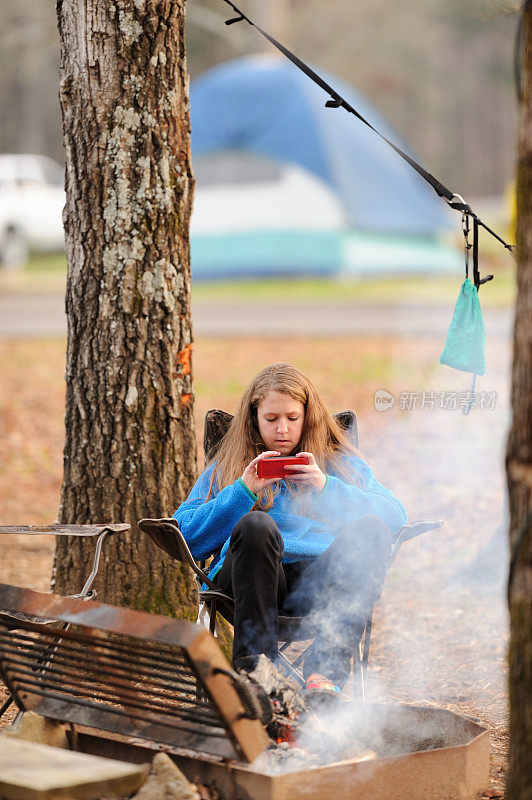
(130, 445)
(519, 461)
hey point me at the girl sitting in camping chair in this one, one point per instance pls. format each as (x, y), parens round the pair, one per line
(314, 544)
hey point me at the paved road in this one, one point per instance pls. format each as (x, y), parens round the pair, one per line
(27, 315)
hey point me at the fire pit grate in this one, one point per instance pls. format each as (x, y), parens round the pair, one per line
(119, 670)
(123, 677)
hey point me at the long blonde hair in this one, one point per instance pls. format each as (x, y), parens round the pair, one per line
(321, 434)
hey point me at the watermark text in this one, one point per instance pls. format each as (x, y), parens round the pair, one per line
(444, 400)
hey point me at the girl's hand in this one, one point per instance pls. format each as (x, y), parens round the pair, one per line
(307, 475)
(249, 476)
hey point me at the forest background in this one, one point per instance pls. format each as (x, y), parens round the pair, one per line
(442, 72)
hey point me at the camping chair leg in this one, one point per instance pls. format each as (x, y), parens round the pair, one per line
(367, 640)
(361, 659)
(212, 627)
(212, 618)
(361, 674)
(297, 661)
(291, 666)
(297, 674)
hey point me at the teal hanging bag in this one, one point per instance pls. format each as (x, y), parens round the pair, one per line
(466, 341)
(465, 346)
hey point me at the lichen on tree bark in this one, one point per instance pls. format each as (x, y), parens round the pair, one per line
(130, 444)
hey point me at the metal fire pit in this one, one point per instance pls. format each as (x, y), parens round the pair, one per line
(422, 754)
(128, 674)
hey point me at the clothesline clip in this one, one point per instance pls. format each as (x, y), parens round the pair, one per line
(460, 204)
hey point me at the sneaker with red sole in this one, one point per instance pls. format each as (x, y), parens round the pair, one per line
(318, 687)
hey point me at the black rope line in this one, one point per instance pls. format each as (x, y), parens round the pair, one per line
(337, 101)
(477, 280)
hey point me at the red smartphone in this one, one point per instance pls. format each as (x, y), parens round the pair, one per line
(273, 467)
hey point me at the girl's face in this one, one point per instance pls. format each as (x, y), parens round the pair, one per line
(280, 419)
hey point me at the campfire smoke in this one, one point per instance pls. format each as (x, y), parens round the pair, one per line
(301, 736)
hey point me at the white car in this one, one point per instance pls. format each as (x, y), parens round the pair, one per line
(32, 197)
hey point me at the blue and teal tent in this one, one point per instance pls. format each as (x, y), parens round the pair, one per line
(260, 115)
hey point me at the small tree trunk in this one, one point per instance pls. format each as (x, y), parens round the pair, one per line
(519, 462)
(130, 446)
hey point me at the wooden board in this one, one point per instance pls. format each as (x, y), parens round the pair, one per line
(30, 771)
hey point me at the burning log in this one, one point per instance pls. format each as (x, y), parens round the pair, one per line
(284, 693)
(301, 736)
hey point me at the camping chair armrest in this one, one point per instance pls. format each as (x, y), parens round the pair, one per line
(413, 529)
(218, 602)
(165, 534)
(209, 595)
(410, 530)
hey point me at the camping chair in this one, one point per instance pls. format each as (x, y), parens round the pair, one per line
(165, 533)
(87, 592)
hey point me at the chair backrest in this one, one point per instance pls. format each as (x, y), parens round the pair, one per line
(126, 672)
(217, 423)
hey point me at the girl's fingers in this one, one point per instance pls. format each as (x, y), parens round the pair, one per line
(310, 456)
(265, 455)
(261, 456)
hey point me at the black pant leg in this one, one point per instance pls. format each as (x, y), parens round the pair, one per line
(253, 575)
(336, 593)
